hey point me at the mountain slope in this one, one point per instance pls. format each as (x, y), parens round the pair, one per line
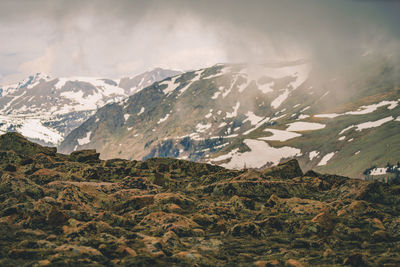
(77, 210)
(255, 116)
(46, 109)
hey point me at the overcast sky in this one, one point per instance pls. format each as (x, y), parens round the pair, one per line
(115, 38)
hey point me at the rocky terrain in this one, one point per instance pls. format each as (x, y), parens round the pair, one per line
(237, 115)
(70, 210)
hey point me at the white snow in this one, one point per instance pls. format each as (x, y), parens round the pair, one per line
(163, 119)
(326, 158)
(362, 110)
(397, 119)
(221, 72)
(202, 127)
(254, 119)
(217, 93)
(279, 100)
(313, 154)
(171, 85)
(330, 116)
(31, 127)
(222, 124)
(303, 116)
(257, 126)
(226, 156)
(304, 126)
(279, 117)
(371, 108)
(80, 102)
(126, 116)
(300, 72)
(105, 88)
(85, 140)
(265, 88)
(358, 152)
(260, 154)
(242, 86)
(342, 138)
(207, 116)
(279, 135)
(141, 111)
(346, 129)
(234, 113)
(304, 109)
(196, 78)
(373, 124)
(378, 171)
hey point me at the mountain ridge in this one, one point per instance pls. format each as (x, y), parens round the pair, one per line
(46, 109)
(229, 112)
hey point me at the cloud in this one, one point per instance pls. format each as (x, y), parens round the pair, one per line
(116, 38)
(43, 64)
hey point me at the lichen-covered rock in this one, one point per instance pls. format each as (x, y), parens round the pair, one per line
(78, 210)
(88, 156)
(285, 170)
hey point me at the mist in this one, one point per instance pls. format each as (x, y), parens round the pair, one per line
(123, 38)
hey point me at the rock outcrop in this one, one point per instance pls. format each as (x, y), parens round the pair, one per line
(77, 210)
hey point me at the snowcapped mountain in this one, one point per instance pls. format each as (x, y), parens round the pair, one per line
(256, 116)
(45, 109)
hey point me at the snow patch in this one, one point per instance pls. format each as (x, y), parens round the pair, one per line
(234, 113)
(85, 140)
(260, 154)
(303, 116)
(366, 109)
(279, 100)
(141, 111)
(171, 85)
(313, 154)
(304, 126)
(378, 171)
(202, 127)
(279, 135)
(254, 119)
(163, 119)
(330, 116)
(326, 158)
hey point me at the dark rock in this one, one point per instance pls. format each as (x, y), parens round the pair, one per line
(10, 168)
(355, 260)
(86, 156)
(285, 170)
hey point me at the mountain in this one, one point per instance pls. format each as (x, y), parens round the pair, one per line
(78, 210)
(238, 115)
(46, 109)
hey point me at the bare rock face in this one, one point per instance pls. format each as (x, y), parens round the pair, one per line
(78, 210)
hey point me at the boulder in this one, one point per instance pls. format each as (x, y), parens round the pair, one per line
(285, 170)
(86, 156)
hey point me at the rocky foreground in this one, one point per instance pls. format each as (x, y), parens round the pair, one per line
(68, 210)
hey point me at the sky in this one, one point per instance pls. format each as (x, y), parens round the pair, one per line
(119, 38)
